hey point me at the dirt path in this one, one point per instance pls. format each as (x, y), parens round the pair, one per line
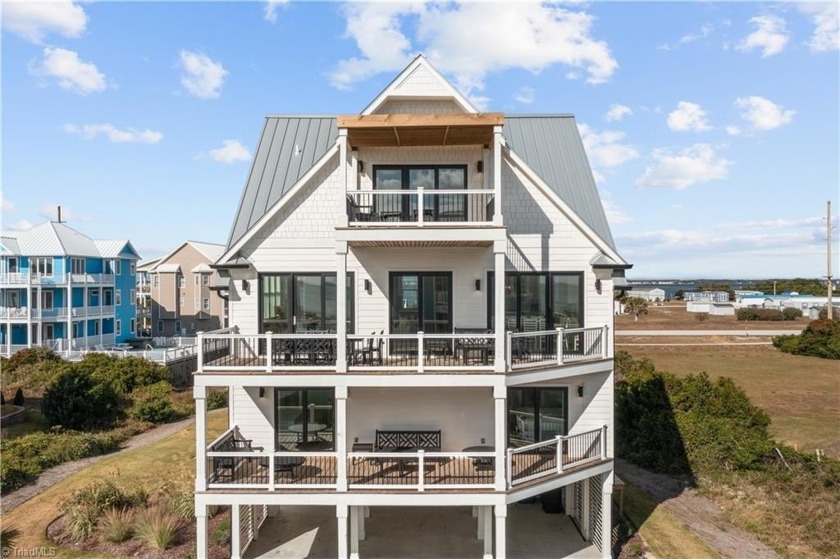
(700, 514)
(50, 477)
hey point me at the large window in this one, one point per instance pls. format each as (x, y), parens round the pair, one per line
(78, 265)
(536, 414)
(430, 177)
(302, 303)
(539, 301)
(305, 419)
(41, 266)
(421, 301)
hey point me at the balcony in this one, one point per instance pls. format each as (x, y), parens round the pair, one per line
(227, 351)
(420, 208)
(417, 471)
(25, 278)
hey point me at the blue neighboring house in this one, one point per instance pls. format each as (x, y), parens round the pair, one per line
(61, 289)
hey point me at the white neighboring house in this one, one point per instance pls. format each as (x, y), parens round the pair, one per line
(715, 296)
(420, 301)
(714, 308)
(653, 295)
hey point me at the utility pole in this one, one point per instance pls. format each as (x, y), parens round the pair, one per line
(830, 310)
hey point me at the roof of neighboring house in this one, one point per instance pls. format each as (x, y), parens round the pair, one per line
(213, 251)
(551, 145)
(147, 265)
(288, 148)
(167, 268)
(52, 238)
(202, 268)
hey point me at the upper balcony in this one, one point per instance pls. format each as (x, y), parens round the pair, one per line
(16, 279)
(462, 352)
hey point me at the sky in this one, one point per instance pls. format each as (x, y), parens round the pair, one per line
(712, 127)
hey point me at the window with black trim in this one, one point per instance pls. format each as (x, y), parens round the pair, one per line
(302, 302)
(539, 301)
(536, 414)
(441, 207)
(304, 419)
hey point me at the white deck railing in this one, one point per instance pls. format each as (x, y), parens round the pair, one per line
(420, 207)
(556, 347)
(421, 352)
(25, 278)
(552, 457)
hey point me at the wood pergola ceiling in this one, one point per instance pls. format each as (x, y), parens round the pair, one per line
(404, 130)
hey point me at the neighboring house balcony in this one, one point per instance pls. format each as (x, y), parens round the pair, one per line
(24, 313)
(23, 278)
(241, 466)
(467, 351)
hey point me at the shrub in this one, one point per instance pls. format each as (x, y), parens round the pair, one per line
(27, 456)
(221, 534)
(124, 375)
(182, 503)
(157, 528)
(8, 537)
(789, 313)
(701, 316)
(153, 403)
(116, 524)
(31, 356)
(18, 400)
(759, 314)
(84, 508)
(217, 399)
(77, 400)
(821, 338)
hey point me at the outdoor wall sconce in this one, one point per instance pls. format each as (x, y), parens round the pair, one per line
(479, 167)
(478, 285)
(245, 285)
(368, 287)
(361, 166)
(262, 392)
(598, 286)
(580, 391)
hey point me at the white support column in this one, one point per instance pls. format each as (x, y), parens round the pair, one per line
(499, 435)
(355, 512)
(342, 164)
(569, 502)
(29, 313)
(200, 395)
(341, 518)
(341, 436)
(40, 324)
(499, 259)
(235, 532)
(584, 513)
(255, 526)
(488, 532)
(68, 303)
(364, 511)
(482, 513)
(606, 516)
(341, 306)
(501, 543)
(497, 176)
(201, 532)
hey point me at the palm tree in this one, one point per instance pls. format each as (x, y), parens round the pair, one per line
(636, 306)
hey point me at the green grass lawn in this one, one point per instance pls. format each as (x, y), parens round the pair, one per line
(171, 460)
(801, 394)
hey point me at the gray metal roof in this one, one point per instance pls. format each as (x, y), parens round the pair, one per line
(113, 248)
(551, 145)
(52, 238)
(288, 148)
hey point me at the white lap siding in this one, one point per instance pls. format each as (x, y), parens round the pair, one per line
(254, 415)
(464, 415)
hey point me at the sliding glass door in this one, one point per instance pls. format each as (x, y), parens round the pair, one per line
(539, 301)
(421, 301)
(436, 207)
(305, 419)
(292, 303)
(536, 414)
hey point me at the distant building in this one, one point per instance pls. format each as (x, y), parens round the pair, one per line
(655, 294)
(63, 290)
(181, 294)
(718, 296)
(714, 308)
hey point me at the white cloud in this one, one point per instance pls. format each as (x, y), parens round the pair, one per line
(33, 20)
(200, 75)
(733, 130)
(770, 36)
(617, 112)
(615, 215)
(688, 116)
(270, 10)
(471, 40)
(704, 32)
(525, 95)
(762, 113)
(72, 73)
(21, 225)
(826, 21)
(605, 149)
(230, 152)
(689, 166)
(114, 134)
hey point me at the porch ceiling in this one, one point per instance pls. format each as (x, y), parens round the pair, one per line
(406, 130)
